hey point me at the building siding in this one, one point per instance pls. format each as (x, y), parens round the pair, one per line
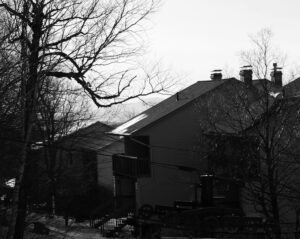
(104, 163)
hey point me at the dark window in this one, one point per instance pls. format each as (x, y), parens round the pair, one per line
(138, 146)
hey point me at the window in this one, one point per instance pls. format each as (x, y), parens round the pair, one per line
(138, 146)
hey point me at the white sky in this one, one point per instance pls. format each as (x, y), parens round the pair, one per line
(194, 37)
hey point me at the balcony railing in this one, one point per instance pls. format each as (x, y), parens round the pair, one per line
(130, 166)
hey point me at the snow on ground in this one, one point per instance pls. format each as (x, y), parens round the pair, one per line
(59, 231)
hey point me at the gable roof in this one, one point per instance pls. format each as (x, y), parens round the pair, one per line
(292, 88)
(167, 106)
(92, 137)
(283, 120)
(283, 107)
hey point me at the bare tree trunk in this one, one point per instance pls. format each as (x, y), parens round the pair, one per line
(51, 160)
(297, 223)
(22, 207)
(275, 211)
(53, 204)
(29, 98)
(16, 227)
(16, 195)
(51, 176)
(273, 195)
(53, 196)
(52, 153)
(16, 221)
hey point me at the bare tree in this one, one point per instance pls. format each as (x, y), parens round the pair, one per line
(9, 109)
(274, 134)
(257, 112)
(263, 54)
(89, 42)
(61, 110)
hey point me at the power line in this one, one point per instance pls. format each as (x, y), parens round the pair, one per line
(163, 147)
(55, 146)
(110, 154)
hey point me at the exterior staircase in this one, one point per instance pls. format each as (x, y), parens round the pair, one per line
(102, 221)
(120, 224)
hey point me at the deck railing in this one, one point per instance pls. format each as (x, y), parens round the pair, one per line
(131, 166)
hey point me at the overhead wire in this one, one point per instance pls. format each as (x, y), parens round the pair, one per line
(162, 147)
(109, 154)
(160, 164)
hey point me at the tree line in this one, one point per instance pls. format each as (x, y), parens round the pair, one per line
(54, 55)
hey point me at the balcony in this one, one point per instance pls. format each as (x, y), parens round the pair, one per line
(130, 166)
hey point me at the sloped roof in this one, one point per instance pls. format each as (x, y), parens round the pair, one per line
(292, 88)
(92, 137)
(167, 106)
(260, 82)
(280, 107)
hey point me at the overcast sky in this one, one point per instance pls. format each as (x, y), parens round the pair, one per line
(193, 37)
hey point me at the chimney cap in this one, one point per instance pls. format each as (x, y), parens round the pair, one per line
(247, 66)
(275, 67)
(216, 74)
